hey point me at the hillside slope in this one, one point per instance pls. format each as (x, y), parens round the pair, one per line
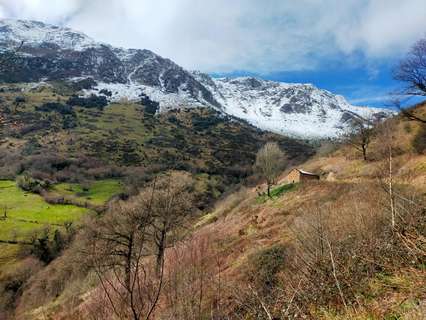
(40, 121)
(327, 250)
(320, 250)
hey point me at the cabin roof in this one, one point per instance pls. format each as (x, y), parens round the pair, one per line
(306, 172)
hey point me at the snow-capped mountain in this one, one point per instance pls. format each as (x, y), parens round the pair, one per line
(49, 53)
(35, 34)
(296, 109)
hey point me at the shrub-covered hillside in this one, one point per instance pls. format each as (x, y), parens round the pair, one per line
(48, 135)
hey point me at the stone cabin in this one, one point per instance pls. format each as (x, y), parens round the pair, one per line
(298, 175)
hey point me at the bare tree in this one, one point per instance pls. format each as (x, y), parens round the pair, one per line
(172, 203)
(387, 149)
(118, 250)
(412, 72)
(408, 112)
(360, 134)
(270, 161)
(128, 244)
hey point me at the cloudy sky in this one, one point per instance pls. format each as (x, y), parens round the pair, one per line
(346, 46)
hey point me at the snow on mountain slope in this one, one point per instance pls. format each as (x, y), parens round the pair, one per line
(52, 53)
(133, 91)
(294, 109)
(33, 33)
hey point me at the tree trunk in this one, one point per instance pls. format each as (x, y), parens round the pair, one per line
(128, 266)
(391, 197)
(160, 252)
(364, 152)
(269, 189)
(128, 279)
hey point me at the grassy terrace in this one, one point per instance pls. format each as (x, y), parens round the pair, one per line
(277, 192)
(26, 210)
(22, 213)
(97, 193)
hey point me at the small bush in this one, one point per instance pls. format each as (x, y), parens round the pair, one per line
(31, 147)
(20, 99)
(27, 183)
(151, 107)
(47, 246)
(93, 101)
(56, 107)
(87, 83)
(106, 92)
(277, 192)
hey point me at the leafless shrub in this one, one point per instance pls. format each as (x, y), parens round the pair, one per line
(339, 247)
(360, 135)
(193, 288)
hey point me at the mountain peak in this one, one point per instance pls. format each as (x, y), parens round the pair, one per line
(13, 32)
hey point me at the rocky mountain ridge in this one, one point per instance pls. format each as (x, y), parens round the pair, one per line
(50, 52)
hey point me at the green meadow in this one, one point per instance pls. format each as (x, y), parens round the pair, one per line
(96, 193)
(23, 213)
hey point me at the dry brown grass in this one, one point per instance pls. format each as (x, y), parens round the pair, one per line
(356, 224)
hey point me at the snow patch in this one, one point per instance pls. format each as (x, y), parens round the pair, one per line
(133, 91)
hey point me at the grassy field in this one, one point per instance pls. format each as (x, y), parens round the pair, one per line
(21, 206)
(96, 193)
(22, 213)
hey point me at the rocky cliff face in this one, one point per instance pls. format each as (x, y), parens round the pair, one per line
(49, 53)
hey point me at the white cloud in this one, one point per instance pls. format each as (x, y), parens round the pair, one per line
(44, 10)
(250, 35)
